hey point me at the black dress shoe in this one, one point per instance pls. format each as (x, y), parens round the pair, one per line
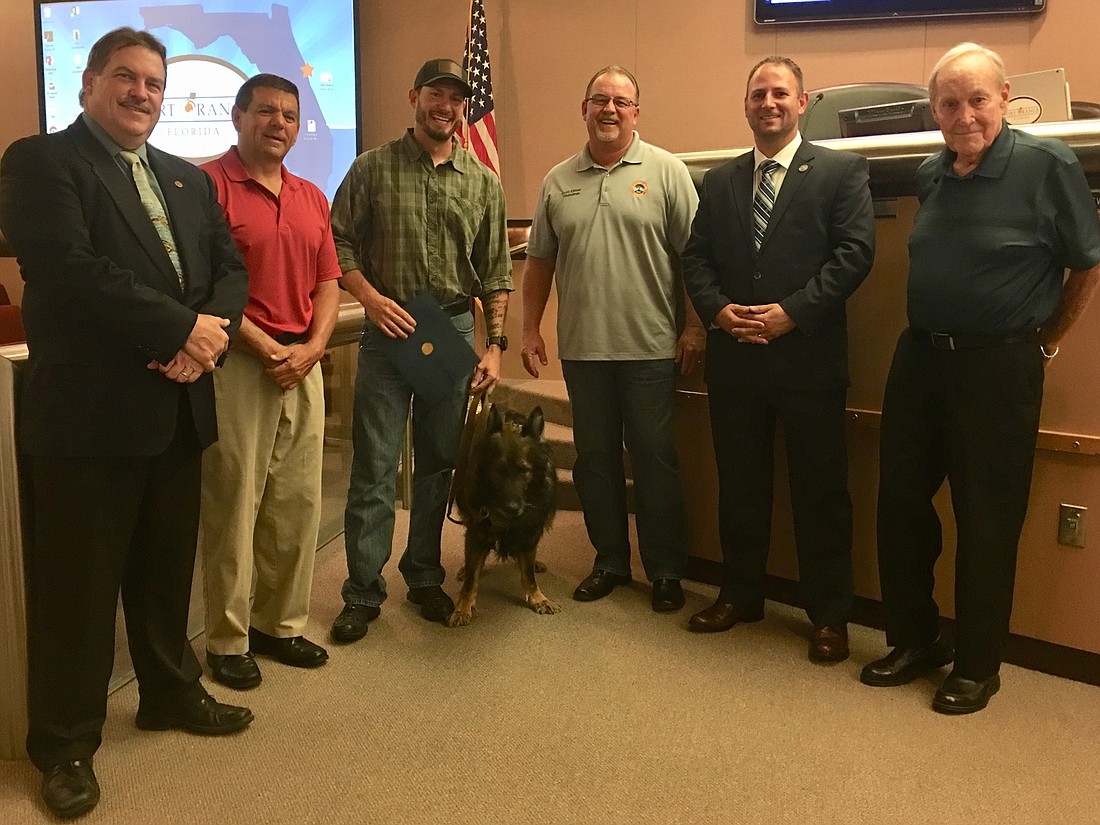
(959, 695)
(904, 664)
(721, 616)
(235, 670)
(598, 584)
(351, 624)
(203, 715)
(435, 605)
(296, 651)
(668, 595)
(70, 789)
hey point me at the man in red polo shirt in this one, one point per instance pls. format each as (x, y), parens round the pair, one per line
(261, 484)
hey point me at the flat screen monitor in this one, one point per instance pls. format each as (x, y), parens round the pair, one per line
(808, 11)
(214, 46)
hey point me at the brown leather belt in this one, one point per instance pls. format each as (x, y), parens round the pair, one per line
(949, 341)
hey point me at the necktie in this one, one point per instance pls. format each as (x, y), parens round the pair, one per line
(155, 209)
(763, 202)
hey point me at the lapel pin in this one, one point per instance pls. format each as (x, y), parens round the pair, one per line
(804, 167)
(179, 184)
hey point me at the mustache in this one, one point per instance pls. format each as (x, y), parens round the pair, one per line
(136, 105)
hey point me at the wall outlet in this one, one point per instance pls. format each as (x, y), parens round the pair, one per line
(1071, 525)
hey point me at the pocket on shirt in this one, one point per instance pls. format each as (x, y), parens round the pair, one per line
(464, 215)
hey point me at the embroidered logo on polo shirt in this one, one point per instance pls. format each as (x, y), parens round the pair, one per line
(569, 193)
(639, 187)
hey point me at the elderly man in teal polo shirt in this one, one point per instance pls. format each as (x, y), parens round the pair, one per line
(1003, 215)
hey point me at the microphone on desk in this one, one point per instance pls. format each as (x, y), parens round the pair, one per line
(805, 120)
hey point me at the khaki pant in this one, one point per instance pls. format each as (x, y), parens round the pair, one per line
(261, 504)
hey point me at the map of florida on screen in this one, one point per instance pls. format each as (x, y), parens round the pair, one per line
(212, 48)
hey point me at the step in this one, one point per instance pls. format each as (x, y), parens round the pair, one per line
(524, 394)
(567, 498)
(562, 449)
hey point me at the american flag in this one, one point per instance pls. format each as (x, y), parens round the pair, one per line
(479, 135)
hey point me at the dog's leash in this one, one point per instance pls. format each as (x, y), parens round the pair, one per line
(477, 414)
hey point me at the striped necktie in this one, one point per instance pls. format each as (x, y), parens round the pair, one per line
(155, 209)
(763, 202)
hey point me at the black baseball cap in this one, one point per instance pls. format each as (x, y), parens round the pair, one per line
(441, 68)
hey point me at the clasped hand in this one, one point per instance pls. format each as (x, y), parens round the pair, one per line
(206, 343)
(287, 366)
(757, 324)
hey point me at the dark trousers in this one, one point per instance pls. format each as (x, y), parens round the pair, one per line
(98, 525)
(743, 428)
(613, 401)
(970, 416)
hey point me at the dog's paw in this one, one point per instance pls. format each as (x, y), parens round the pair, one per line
(458, 619)
(544, 607)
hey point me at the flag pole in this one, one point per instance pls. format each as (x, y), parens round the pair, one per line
(466, 68)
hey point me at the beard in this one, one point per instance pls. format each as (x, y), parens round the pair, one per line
(608, 132)
(432, 128)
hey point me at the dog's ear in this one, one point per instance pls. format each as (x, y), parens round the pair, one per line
(495, 423)
(535, 424)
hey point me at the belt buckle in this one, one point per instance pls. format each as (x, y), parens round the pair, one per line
(941, 340)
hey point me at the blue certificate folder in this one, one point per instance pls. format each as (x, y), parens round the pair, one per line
(435, 356)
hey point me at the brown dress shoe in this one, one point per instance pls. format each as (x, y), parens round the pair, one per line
(829, 644)
(720, 616)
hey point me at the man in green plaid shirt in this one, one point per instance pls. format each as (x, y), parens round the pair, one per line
(418, 214)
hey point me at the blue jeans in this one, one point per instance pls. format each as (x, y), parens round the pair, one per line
(382, 399)
(613, 400)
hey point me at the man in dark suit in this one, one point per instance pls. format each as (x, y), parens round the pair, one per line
(784, 234)
(125, 321)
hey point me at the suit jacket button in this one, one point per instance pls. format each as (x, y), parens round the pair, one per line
(757, 276)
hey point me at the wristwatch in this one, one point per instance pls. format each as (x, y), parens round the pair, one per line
(500, 340)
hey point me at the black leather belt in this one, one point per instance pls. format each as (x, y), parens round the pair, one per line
(457, 308)
(947, 341)
(288, 338)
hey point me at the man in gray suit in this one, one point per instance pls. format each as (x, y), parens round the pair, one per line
(784, 234)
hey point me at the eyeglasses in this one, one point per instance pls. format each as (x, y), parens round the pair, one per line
(600, 101)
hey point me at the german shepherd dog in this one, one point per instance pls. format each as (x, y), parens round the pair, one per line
(506, 501)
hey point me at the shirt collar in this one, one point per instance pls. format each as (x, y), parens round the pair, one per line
(459, 157)
(112, 148)
(993, 163)
(633, 155)
(784, 157)
(236, 172)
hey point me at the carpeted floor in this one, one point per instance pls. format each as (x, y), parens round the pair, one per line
(606, 713)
